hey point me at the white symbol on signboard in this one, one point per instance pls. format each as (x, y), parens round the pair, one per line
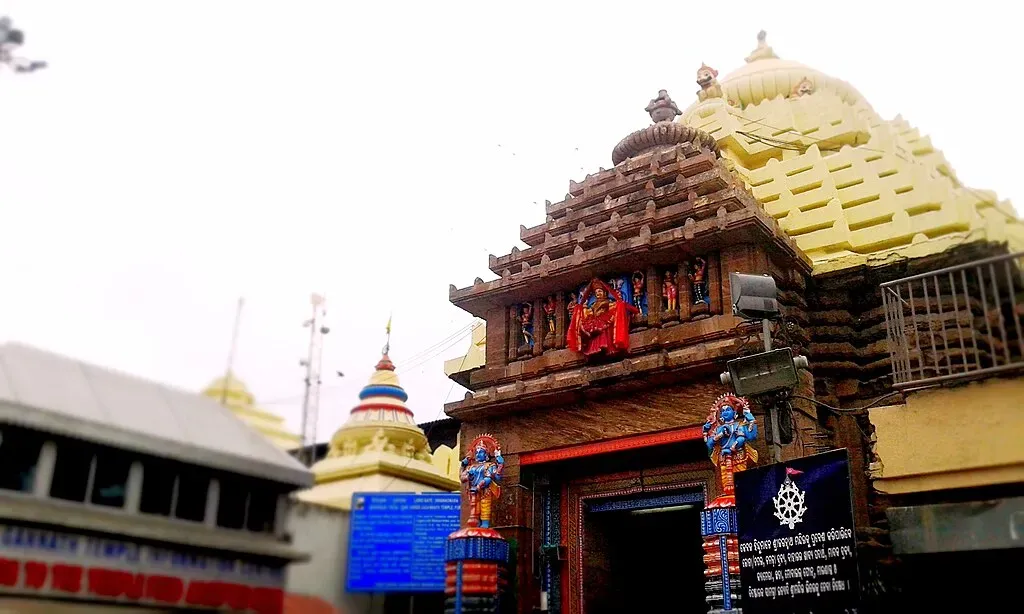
(789, 503)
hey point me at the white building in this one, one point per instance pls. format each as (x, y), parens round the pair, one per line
(114, 489)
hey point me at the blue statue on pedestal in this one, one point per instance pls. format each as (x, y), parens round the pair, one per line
(481, 473)
(726, 436)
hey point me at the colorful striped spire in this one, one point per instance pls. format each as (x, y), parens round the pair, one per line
(383, 392)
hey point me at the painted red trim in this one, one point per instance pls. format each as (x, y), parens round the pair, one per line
(401, 410)
(631, 442)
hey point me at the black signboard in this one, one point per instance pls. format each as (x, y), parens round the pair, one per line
(796, 536)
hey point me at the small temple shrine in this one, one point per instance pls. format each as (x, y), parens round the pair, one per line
(234, 394)
(607, 333)
(380, 448)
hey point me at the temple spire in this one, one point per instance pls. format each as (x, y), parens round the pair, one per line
(387, 344)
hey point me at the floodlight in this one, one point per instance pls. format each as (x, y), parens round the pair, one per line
(754, 296)
(763, 373)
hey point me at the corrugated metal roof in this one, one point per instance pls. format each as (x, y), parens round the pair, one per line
(54, 393)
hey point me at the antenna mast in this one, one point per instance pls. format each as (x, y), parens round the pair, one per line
(231, 355)
(311, 399)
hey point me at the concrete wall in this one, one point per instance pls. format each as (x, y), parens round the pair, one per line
(949, 438)
(323, 533)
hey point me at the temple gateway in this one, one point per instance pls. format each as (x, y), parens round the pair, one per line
(606, 337)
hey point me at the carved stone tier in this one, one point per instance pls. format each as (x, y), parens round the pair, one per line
(661, 136)
(599, 195)
(687, 224)
(620, 216)
(623, 179)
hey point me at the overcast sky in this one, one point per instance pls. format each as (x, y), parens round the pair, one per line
(177, 155)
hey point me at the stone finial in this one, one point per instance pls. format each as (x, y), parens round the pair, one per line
(707, 79)
(763, 51)
(662, 108)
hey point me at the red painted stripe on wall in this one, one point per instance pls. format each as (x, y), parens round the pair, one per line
(619, 444)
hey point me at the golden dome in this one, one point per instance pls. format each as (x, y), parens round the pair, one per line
(234, 394)
(767, 78)
(850, 187)
(235, 388)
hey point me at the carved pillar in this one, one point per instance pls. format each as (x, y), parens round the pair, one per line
(561, 319)
(685, 291)
(653, 296)
(497, 335)
(715, 282)
(540, 327)
(515, 333)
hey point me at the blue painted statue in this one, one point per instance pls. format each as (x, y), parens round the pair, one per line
(481, 473)
(728, 429)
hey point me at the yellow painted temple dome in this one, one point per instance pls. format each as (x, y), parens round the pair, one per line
(850, 187)
(380, 448)
(232, 392)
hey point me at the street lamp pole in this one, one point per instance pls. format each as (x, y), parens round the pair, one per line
(11, 39)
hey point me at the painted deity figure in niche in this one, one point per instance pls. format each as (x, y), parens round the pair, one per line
(481, 475)
(617, 284)
(637, 281)
(699, 281)
(670, 291)
(728, 430)
(550, 306)
(600, 321)
(526, 325)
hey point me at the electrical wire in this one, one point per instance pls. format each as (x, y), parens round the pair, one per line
(410, 364)
(418, 359)
(457, 335)
(849, 410)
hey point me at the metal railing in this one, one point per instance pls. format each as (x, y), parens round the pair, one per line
(959, 323)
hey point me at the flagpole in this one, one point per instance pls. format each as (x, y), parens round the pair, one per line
(231, 353)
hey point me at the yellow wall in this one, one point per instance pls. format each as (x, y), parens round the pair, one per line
(946, 438)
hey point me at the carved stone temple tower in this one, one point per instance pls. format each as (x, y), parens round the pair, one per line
(604, 341)
(606, 334)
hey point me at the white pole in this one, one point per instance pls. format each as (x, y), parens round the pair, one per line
(231, 353)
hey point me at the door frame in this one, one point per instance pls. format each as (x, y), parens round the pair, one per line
(581, 494)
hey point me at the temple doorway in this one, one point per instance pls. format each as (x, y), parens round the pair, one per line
(643, 555)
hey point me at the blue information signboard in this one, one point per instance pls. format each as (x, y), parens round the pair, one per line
(396, 542)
